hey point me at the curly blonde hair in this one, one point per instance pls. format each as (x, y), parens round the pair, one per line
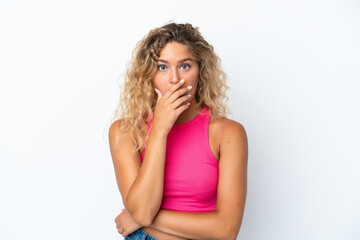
(138, 97)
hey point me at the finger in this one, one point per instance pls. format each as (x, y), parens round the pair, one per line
(159, 95)
(182, 108)
(120, 230)
(173, 88)
(125, 233)
(181, 101)
(178, 93)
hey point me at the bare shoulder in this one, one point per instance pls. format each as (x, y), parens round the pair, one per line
(116, 133)
(115, 130)
(225, 128)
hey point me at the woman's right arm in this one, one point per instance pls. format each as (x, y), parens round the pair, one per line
(142, 189)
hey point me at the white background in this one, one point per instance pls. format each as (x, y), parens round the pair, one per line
(293, 69)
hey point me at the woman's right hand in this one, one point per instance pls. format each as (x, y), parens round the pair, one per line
(169, 107)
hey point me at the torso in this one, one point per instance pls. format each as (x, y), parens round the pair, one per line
(214, 142)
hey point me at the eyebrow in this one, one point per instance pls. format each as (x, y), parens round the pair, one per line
(183, 60)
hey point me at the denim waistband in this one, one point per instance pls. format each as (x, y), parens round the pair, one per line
(140, 235)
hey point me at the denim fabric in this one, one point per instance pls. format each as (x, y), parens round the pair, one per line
(140, 235)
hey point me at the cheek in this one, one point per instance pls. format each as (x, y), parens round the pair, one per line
(159, 83)
(156, 81)
(193, 77)
(194, 74)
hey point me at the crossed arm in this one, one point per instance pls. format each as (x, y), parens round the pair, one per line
(225, 222)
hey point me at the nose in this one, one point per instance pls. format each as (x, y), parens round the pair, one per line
(175, 76)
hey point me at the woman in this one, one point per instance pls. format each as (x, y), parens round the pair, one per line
(180, 164)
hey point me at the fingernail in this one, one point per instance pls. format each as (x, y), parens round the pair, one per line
(188, 104)
(182, 81)
(189, 87)
(189, 95)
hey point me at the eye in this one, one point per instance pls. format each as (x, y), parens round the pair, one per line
(162, 67)
(185, 66)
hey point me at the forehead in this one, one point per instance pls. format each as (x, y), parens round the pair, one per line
(174, 50)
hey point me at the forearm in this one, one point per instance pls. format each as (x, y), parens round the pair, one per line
(145, 195)
(210, 225)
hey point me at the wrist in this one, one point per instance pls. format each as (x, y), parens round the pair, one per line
(159, 133)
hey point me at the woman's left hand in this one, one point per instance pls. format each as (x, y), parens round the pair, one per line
(126, 224)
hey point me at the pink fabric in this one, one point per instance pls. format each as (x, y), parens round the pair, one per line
(191, 170)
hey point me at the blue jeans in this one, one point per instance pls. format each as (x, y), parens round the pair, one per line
(140, 235)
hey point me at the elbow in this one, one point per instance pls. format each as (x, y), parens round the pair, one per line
(234, 230)
(228, 235)
(230, 230)
(142, 214)
(233, 235)
(143, 219)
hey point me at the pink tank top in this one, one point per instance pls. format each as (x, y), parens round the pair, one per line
(191, 170)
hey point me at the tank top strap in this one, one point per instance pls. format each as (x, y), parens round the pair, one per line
(150, 125)
(205, 115)
(149, 129)
(206, 111)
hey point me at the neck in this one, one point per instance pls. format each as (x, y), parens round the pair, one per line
(189, 114)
